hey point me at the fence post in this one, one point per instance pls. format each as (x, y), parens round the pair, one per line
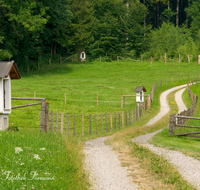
(57, 122)
(165, 58)
(106, 122)
(62, 121)
(122, 102)
(82, 124)
(188, 58)
(90, 123)
(172, 124)
(47, 116)
(151, 60)
(42, 116)
(52, 122)
(129, 117)
(122, 119)
(96, 123)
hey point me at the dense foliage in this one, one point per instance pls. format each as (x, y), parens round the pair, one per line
(34, 29)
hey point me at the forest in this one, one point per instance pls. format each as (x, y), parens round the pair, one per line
(34, 30)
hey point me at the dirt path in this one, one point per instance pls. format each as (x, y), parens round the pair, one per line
(188, 167)
(103, 164)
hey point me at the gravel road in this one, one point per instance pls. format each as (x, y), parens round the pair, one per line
(188, 167)
(104, 166)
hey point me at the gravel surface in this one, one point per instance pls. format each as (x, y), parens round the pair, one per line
(188, 167)
(104, 166)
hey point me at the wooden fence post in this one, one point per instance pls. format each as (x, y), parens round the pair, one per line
(111, 123)
(172, 124)
(117, 59)
(90, 123)
(67, 129)
(42, 116)
(132, 116)
(62, 121)
(52, 122)
(96, 123)
(106, 122)
(74, 125)
(199, 59)
(129, 117)
(57, 122)
(47, 117)
(82, 124)
(126, 118)
(165, 58)
(151, 60)
(122, 102)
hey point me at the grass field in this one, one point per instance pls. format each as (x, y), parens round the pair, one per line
(81, 82)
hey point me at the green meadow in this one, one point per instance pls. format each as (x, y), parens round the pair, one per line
(57, 160)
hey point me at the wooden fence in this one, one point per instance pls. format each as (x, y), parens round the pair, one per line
(82, 124)
(180, 119)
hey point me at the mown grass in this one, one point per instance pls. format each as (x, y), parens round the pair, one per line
(155, 167)
(81, 82)
(59, 164)
(188, 145)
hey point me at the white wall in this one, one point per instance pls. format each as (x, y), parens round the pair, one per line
(138, 97)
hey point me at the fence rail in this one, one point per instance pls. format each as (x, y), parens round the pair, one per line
(179, 119)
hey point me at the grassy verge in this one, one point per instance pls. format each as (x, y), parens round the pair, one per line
(187, 145)
(148, 169)
(33, 160)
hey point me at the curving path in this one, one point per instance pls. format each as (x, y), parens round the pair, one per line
(188, 167)
(104, 166)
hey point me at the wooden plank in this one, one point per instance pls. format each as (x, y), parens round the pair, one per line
(47, 117)
(187, 126)
(90, 123)
(111, 123)
(101, 122)
(18, 98)
(67, 125)
(172, 124)
(106, 116)
(74, 124)
(57, 122)
(26, 105)
(62, 122)
(52, 128)
(188, 117)
(185, 134)
(82, 124)
(96, 123)
(193, 136)
(43, 116)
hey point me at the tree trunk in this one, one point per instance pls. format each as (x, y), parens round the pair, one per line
(177, 13)
(51, 49)
(187, 13)
(158, 14)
